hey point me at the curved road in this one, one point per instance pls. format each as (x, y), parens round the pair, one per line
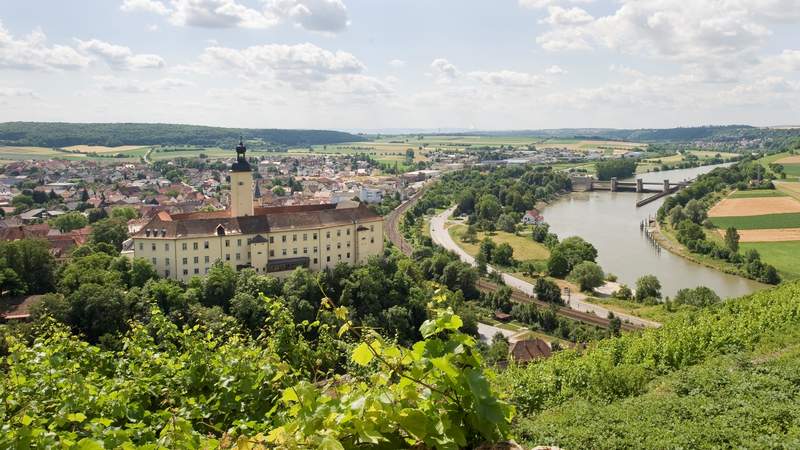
(577, 301)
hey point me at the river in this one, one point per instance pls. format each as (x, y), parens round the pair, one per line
(610, 221)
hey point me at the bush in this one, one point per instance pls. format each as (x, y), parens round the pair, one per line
(648, 286)
(588, 275)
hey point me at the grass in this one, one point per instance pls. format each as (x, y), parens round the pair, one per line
(764, 222)
(756, 193)
(792, 170)
(657, 313)
(785, 256)
(525, 248)
(790, 189)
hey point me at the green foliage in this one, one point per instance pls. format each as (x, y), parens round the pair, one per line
(648, 287)
(732, 239)
(69, 221)
(588, 275)
(547, 291)
(615, 168)
(26, 266)
(112, 231)
(700, 296)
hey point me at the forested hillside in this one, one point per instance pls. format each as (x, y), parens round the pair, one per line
(46, 134)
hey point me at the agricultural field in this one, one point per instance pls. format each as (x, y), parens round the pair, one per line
(101, 150)
(757, 193)
(649, 164)
(525, 248)
(737, 207)
(789, 188)
(74, 153)
(785, 256)
(763, 222)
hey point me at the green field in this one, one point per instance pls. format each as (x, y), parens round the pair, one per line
(785, 256)
(765, 222)
(792, 170)
(38, 153)
(525, 248)
(758, 193)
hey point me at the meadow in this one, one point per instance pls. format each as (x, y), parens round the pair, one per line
(757, 193)
(525, 248)
(785, 256)
(763, 222)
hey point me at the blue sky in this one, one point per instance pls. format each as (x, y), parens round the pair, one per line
(371, 64)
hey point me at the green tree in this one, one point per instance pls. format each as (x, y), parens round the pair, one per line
(109, 231)
(540, 231)
(219, 286)
(732, 239)
(503, 255)
(31, 261)
(488, 207)
(125, 213)
(470, 234)
(575, 250)
(506, 223)
(141, 271)
(648, 287)
(588, 275)
(699, 296)
(69, 221)
(547, 291)
(97, 310)
(694, 211)
(557, 265)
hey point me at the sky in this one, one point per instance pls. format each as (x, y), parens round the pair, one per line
(391, 64)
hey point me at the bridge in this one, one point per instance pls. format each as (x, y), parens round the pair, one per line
(660, 189)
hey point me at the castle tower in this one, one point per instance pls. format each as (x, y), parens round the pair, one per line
(241, 184)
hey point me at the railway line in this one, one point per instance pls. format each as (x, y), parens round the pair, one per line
(394, 235)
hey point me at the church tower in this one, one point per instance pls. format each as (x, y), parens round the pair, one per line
(241, 184)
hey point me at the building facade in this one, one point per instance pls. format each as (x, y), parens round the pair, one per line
(272, 241)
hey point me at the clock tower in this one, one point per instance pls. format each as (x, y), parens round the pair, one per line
(241, 184)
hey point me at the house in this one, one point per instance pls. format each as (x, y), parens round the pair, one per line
(529, 350)
(532, 217)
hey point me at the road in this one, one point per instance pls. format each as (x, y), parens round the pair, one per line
(577, 300)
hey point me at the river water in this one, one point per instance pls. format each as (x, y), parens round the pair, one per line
(610, 221)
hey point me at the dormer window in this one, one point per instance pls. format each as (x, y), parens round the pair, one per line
(163, 232)
(147, 232)
(220, 230)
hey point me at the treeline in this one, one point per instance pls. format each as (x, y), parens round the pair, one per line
(57, 134)
(615, 168)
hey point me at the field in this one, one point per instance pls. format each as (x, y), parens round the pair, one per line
(767, 235)
(649, 164)
(785, 256)
(72, 153)
(758, 193)
(791, 189)
(525, 248)
(103, 150)
(763, 222)
(736, 207)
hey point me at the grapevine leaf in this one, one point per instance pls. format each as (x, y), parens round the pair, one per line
(362, 355)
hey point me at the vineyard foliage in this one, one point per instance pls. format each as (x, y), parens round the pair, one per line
(172, 387)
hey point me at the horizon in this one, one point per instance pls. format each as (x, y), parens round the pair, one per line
(360, 65)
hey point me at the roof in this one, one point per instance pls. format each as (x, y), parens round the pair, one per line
(18, 308)
(528, 350)
(264, 220)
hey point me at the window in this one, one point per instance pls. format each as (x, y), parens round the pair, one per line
(238, 256)
(208, 259)
(154, 260)
(372, 240)
(272, 253)
(315, 260)
(194, 245)
(283, 238)
(348, 244)
(305, 236)
(340, 256)
(185, 261)
(328, 258)
(315, 249)
(294, 238)
(328, 247)
(372, 228)
(338, 233)
(166, 246)
(348, 231)
(305, 250)
(141, 246)
(183, 247)
(239, 242)
(153, 246)
(166, 273)
(196, 270)
(272, 239)
(338, 245)
(294, 251)
(283, 252)
(166, 261)
(348, 254)
(205, 244)
(328, 234)
(206, 269)
(227, 257)
(186, 271)
(196, 259)
(227, 242)
(314, 236)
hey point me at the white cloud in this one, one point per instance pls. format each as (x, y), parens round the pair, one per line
(33, 53)
(294, 64)
(556, 70)
(397, 63)
(326, 16)
(540, 4)
(444, 71)
(6, 92)
(133, 86)
(151, 6)
(316, 15)
(562, 16)
(119, 57)
(508, 78)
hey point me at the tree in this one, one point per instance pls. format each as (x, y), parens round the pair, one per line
(487, 249)
(52, 305)
(97, 214)
(575, 250)
(648, 287)
(31, 261)
(124, 212)
(69, 221)
(503, 255)
(110, 231)
(97, 310)
(498, 349)
(619, 168)
(557, 265)
(694, 211)
(506, 223)
(219, 286)
(676, 216)
(141, 271)
(540, 231)
(588, 275)
(470, 235)
(547, 291)
(623, 293)
(732, 239)
(488, 207)
(699, 296)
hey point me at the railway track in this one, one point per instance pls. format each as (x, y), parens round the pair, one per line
(394, 235)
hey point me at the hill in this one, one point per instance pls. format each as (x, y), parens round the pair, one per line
(59, 134)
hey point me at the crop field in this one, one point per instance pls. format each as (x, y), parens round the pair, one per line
(785, 256)
(525, 248)
(789, 188)
(758, 193)
(99, 149)
(22, 153)
(736, 207)
(763, 222)
(794, 159)
(767, 235)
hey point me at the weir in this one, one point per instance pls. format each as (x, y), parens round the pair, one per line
(660, 189)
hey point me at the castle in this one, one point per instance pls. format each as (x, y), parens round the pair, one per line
(272, 241)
